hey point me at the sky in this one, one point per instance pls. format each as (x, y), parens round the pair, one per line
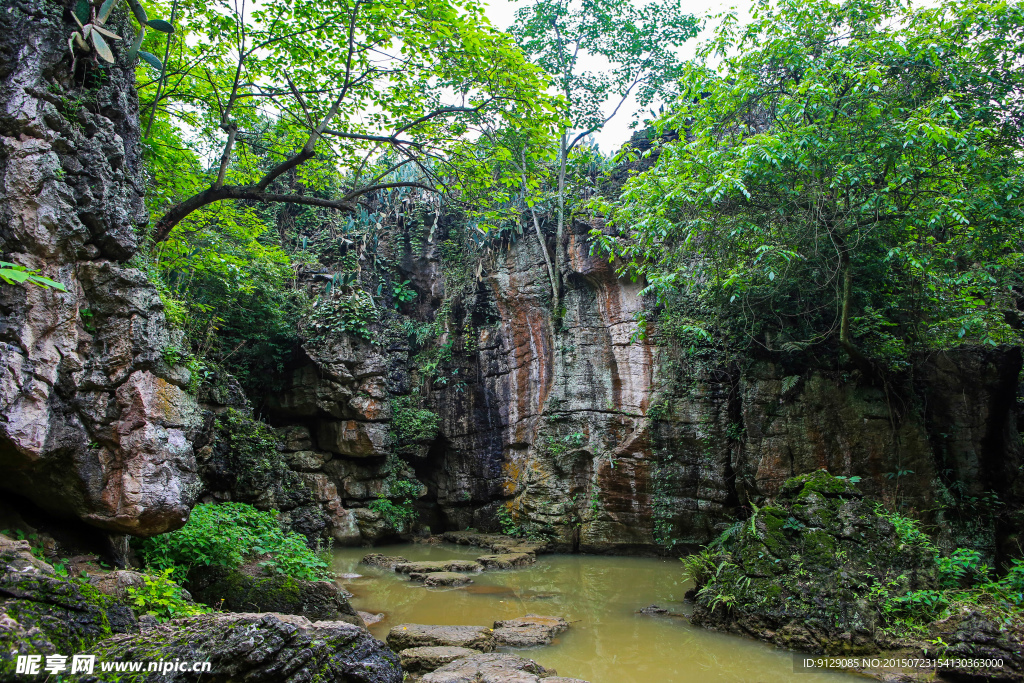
(610, 139)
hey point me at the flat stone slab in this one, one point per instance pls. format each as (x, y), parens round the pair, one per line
(435, 579)
(419, 660)
(369, 618)
(493, 668)
(383, 561)
(405, 636)
(529, 631)
(507, 560)
(497, 543)
(433, 566)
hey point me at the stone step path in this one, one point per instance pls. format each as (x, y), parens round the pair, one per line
(454, 654)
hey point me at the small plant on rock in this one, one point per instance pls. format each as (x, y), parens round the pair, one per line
(92, 33)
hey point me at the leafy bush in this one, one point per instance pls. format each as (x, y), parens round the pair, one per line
(412, 425)
(228, 535)
(162, 598)
(395, 505)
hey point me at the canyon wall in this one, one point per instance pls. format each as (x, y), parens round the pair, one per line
(577, 427)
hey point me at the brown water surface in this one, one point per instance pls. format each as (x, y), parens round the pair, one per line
(608, 641)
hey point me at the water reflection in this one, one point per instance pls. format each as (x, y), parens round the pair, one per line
(608, 641)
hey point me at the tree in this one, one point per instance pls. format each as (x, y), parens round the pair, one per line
(342, 84)
(849, 172)
(636, 42)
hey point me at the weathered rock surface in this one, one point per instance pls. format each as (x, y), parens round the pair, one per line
(258, 648)
(431, 566)
(507, 560)
(498, 543)
(383, 561)
(93, 422)
(405, 636)
(419, 660)
(44, 613)
(492, 668)
(436, 579)
(249, 590)
(528, 631)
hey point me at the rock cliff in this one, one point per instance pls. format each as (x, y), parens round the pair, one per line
(93, 423)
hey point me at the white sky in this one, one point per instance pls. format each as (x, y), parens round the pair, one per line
(502, 15)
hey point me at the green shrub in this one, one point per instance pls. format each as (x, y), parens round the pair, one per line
(228, 535)
(412, 425)
(162, 598)
(396, 504)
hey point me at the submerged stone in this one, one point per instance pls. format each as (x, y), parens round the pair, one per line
(435, 579)
(383, 561)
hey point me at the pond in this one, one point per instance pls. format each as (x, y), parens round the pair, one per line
(608, 642)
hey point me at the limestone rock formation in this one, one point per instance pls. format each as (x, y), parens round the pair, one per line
(260, 648)
(93, 422)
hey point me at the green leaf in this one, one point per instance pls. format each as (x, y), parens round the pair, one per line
(133, 53)
(105, 10)
(82, 12)
(152, 60)
(139, 11)
(160, 25)
(102, 49)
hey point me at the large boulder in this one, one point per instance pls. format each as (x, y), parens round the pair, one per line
(95, 423)
(258, 648)
(405, 636)
(43, 613)
(247, 589)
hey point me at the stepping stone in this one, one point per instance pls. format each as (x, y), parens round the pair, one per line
(405, 636)
(418, 660)
(528, 631)
(507, 560)
(497, 543)
(430, 567)
(441, 578)
(370, 619)
(382, 561)
(494, 668)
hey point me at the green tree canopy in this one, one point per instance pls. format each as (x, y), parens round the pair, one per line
(380, 94)
(632, 52)
(848, 173)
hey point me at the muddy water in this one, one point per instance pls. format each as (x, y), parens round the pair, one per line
(608, 641)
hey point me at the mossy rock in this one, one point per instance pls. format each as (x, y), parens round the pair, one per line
(257, 648)
(46, 613)
(249, 590)
(820, 482)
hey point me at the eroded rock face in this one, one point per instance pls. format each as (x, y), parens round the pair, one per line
(271, 648)
(93, 423)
